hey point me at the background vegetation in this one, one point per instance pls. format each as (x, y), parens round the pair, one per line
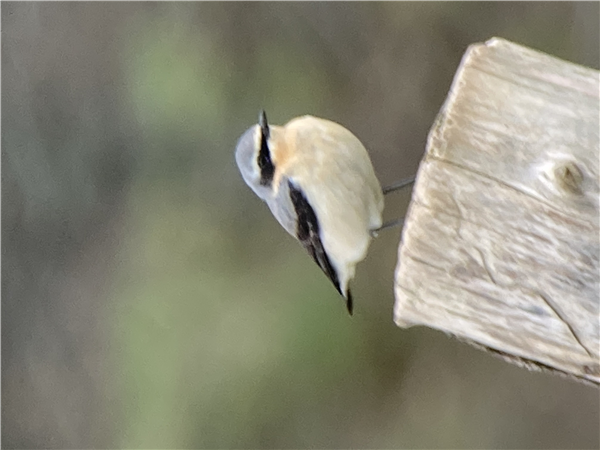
(149, 299)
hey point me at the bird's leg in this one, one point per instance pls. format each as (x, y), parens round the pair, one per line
(391, 224)
(399, 185)
(386, 190)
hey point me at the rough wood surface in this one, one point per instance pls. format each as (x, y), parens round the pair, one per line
(501, 242)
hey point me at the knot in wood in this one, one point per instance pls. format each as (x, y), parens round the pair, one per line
(568, 177)
(592, 369)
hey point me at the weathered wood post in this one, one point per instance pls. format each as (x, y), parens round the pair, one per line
(501, 241)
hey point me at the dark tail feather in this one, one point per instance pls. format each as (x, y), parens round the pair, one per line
(349, 304)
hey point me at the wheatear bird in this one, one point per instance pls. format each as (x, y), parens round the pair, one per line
(320, 185)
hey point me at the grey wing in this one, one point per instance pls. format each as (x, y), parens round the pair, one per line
(295, 214)
(282, 207)
(307, 232)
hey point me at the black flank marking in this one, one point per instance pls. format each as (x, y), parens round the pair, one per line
(307, 231)
(265, 164)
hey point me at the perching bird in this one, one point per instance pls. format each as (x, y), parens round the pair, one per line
(318, 181)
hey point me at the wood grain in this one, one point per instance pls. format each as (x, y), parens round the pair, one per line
(501, 242)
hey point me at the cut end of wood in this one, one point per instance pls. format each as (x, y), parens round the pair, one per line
(501, 240)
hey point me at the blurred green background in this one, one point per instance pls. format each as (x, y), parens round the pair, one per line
(150, 300)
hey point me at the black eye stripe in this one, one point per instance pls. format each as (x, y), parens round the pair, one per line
(262, 122)
(265, 164)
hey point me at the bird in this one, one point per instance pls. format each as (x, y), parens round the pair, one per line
(319, 183)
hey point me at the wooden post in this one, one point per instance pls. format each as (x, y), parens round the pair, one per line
(501, 241)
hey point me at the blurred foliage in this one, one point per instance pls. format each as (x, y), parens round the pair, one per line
(202, 339)
(149, 298)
